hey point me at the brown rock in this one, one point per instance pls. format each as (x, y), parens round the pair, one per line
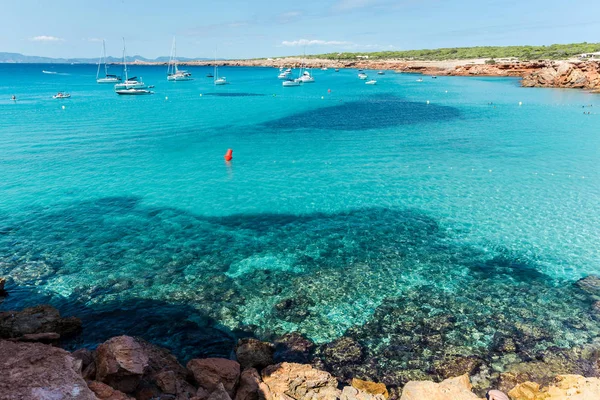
(456, 366)
(370, 387)
(352, 393)
(249, 385)
(219, 393)
(293, 347)
(252, 353)
(39, 319)
(121, 363)
(209, 372)
(299, 381)
(458, 388)
(344, 350)
(564, 387)
(105, 392)
(49, 337)
(38, 371)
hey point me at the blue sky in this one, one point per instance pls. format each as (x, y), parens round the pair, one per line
(263, 28)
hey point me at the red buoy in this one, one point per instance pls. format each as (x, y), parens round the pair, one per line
(328, 90)
(229, 155)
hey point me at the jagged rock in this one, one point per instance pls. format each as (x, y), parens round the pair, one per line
(590, 284)
(209, 372)
(564, 387)
(2, 283)
(496, 395)
(352, 393)
(293, 347)
(105, 392)
(458, 388)
(219, 393)
(456, 366)
(249, 385)
(344, 350)
(38, 371)
(252, 353)
(370, 387)
(121, 362)
(34, 320)
(299, 381)
(47, 338)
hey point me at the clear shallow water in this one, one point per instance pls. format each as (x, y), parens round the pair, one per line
(372, 211)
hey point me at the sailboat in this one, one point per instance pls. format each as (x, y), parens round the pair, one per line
(131, 86)
(174, 73)
(305, 76)
(108, 78)
(217, 80)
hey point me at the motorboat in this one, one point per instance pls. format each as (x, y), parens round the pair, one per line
(108, 78)
(324, 69)
(306, 77)
(61, 95)
(371, 82)
(337, 70)
(174, 74)
(210, 75)
(381, 73)
(362, 76)
(292, 83)
(420, 80)
(134, 92)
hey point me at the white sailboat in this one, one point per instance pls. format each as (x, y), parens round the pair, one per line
(305, 76)
(218, 81)
(174, 74)
(108, 78)
(131, 86)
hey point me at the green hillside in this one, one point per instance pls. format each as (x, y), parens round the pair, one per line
(552, 52)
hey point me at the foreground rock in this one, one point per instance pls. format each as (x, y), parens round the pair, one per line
(299, 381)
(121, 363)
(38, 371)
(564, 387)
(209, 373)
(2, 283)
(105, 392)
(458, 388)
(370, 387)
(42, 319)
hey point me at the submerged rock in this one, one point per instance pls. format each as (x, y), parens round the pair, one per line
(344, 350)
(456, 366)
(458, 388)
(590, 284)
(299, 381)
(210, 372)
(121, 362)
(293, 347)
(252, 353)
(36, 320)
(38, 371)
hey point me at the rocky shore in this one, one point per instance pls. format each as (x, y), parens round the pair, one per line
(33, 366)
(573, 74)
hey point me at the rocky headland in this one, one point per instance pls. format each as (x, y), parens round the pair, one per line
(575, 74)
(34, 366)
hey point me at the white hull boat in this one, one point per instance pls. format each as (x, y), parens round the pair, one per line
(174, 74)
(221, 81)
(362, 76)
(131, 85)
(61, 95)
(371, 82)
(134, 92)
(292, 83)
(108, 78)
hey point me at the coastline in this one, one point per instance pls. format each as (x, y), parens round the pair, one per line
(571, 73)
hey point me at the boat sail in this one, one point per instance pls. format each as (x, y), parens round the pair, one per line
(131, 86)
(174, 74)
(108, 78)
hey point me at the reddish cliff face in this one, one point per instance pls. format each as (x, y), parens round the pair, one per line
(577, 75)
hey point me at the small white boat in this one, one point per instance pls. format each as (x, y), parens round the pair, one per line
(174, 74)
(362, 76)
(130, 83)
(306, 77)
(134, 92)
(324, 69)
(371, 82)
(292, 83)
(337, 70)
(218, 81)
(108, 78)
(285, 75)
(221, 81)
(61, 95)
(420, 80)
(381, 73)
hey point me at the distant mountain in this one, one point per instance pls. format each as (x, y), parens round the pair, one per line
(20, 58)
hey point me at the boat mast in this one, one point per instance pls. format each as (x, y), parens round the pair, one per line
(99, 62)
(216, 74)
(171, 59)
(104, 53)
(124, 62)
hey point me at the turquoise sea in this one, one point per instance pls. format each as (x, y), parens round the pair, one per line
(418, 229)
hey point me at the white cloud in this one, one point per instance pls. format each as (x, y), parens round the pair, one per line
(306, 42)
(44, 38)
(346, 5)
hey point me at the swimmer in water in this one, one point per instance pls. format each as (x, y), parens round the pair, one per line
(13, 98)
